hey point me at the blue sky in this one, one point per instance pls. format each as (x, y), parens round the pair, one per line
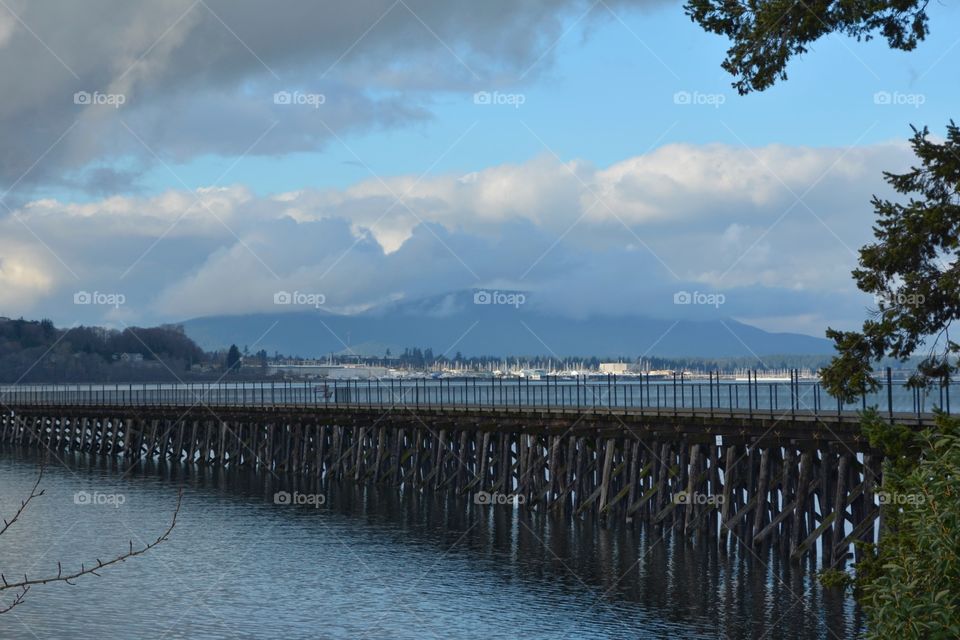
(149, 156)
(608, 95)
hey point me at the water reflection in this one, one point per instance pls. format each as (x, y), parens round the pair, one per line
(370, 562)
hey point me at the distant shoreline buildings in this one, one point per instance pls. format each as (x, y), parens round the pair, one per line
(312, 369)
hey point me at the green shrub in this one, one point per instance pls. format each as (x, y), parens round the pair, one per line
(909, 584)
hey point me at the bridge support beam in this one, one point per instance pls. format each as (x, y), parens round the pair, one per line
(736, 484)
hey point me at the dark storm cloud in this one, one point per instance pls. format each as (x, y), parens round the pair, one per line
(199, 76)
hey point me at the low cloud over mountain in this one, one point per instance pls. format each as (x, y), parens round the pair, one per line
(490, 322)
(589, 241)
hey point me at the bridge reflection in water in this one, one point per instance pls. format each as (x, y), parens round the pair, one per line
(374, 561)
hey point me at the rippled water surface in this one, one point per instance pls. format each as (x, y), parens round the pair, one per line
(370, 563)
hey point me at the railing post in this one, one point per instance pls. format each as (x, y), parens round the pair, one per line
(683, 395)
(890, 394)
(674, 393)
(795, 396)
(648, 389)
(948, 393)
(941, 393)
(919, 402)
(710, 389)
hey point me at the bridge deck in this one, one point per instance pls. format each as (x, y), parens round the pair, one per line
(797, 425)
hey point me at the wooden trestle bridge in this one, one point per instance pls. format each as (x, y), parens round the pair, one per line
(790, 473)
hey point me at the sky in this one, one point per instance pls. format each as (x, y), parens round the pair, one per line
(164, 161)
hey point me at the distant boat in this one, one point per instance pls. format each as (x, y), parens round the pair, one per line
(532, 374)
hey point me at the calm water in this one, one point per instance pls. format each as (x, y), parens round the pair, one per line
(371, 564)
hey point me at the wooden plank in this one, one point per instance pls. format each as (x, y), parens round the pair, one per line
(805, 545)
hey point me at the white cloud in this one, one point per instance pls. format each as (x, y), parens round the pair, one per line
(24, 278)
(676, 219)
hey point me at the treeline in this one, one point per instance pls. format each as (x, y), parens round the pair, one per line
(164, 342)
(37, 351)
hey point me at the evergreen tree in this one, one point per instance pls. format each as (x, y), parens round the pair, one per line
(765, 34)
(913, 272)
(234, 360)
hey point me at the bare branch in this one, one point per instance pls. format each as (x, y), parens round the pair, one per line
(18, 599)
(23, 505)
(25, 584)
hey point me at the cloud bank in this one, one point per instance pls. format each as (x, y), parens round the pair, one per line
(585, 240)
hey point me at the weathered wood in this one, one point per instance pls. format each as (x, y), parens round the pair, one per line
(729, 481)
(840, 505)
(790, 491)
(607, 468)
(763, 480)
(798, 528)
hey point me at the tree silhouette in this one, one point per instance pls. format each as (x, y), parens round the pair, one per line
(234, 360)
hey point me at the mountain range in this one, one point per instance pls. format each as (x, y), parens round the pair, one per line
(478, 323)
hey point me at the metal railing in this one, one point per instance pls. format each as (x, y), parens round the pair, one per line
(644, 394)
